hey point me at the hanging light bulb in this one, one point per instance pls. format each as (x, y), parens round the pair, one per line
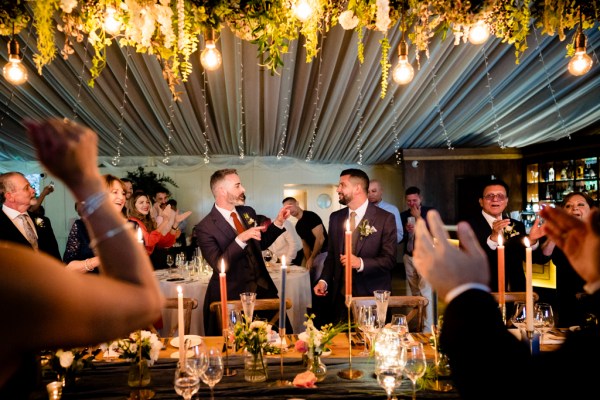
(112, 24)
(581, 63)
(210, 58)
(14, 71)
(479, 32)
(403, 73)
(303, 10)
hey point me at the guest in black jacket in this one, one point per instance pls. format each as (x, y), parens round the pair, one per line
(485, 359)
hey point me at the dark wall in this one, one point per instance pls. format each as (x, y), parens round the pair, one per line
(438, 181)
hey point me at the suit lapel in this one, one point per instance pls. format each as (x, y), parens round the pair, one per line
(222, 224)
(369, 218)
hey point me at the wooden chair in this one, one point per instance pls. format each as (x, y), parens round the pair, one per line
(259, 305)
(412, 306)
(511, 297)
(189, 304)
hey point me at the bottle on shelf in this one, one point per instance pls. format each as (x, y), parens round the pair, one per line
(551, 174)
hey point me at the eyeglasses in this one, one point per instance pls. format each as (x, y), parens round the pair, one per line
(492, 197)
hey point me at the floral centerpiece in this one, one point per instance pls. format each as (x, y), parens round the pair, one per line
(254, 338)
(313, 342)
(67, 363)
(141, 348)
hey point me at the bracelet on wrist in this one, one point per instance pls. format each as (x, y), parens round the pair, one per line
(91, 204)
(110, 234)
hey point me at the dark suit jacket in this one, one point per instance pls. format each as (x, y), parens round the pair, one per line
(514, 254)
(46, 239)
(489, 362)
(378, 251)
(245, 268)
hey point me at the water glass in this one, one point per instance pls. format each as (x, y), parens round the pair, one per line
(214, 369)
(382, 298)
(400, 324)
(186, 382)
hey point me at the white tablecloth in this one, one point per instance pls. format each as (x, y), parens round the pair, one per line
(298, 290)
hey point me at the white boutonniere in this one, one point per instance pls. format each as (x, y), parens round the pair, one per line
(249, 220)
(39, 222)
(509, 231)
(365, 229)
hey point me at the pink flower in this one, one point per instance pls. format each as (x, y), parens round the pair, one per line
(305, 379)
(301, 346)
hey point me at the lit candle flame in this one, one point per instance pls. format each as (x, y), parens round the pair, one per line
(179, 290)
(140, 236)
(222, 266)
(500, 240)
(526, 242)
(283, 262)
(347, 225)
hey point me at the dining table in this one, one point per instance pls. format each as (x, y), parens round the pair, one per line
(297, 290)
(107, 379)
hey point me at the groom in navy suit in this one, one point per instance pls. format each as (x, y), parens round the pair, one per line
(373, 249)
(230, 233)
(17, 225)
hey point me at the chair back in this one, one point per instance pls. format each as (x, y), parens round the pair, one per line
(511, 297)
(189, 304)
(411, 306)
(259, 305)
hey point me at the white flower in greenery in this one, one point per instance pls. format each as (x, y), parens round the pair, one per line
(39, 222)
(383, 15)
(348, 20)
(68, 5)
(66, 358)
(365, 229)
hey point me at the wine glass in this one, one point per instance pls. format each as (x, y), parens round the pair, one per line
(382, 298)
(214, 369)
(543, 319)
(400, 324)
(519, 316)
(170, 263)
(268, 256)
(248, 300)
(233, 317)
(199, 360)
(186, 381)
(415, 364)
(368, 323)
(389, 378)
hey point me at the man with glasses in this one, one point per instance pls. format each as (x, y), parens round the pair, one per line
(493, 222)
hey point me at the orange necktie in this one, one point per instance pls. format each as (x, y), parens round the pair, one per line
(238, 225)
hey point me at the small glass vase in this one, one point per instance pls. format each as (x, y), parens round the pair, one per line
(139, 374)
(255, 367)
(316, 366)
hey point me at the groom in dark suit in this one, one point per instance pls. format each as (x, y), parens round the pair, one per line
(230, 233)
(17, 225)
(373, 250)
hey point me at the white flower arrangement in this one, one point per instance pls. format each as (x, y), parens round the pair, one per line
(249, 220)
(348, 20)
(510, 232)
(383, 15)
(365, 229)
(39, 222)
(128, 349)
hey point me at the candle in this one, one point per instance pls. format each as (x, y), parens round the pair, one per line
(181, 324)
(501, 279)
(140, 235)
(348, 244)
(223, 284)
(282, 295)
(529, 286)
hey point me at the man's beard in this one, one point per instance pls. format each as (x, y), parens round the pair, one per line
(344, 200)
(238, 201)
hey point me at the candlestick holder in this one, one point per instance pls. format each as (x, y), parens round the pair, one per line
(227, 371)
(502, 307)
(282, 382)
(350, 373)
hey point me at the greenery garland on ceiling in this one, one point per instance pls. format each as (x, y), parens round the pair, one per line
(151, 26)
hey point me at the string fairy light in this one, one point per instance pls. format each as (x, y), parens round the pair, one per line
(549, 84)
(396, 139)
(205, 119)
(489, 86)
(359, 112)
(286, 113)
(170, 131)
(440, 112)
(242, 115)
(80, 82)
(317, 111)
(117, 158)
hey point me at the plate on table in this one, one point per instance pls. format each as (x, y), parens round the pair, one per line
(195, 340)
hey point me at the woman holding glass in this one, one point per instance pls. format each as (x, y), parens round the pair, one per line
(79, 256)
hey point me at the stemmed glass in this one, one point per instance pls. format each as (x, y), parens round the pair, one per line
(382, 298)
(186, 381)
(415, 364)
(369, 324)
(268, 256)
(543, 319)
(248, 300)
(389, 378)
(519, 317)
(233, 317)
(170, 263)
(199, 360)
(214, 369)
(400, 325)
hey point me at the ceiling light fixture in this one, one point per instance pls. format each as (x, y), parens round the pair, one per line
(303, 10)
(403, 72)
(14, 71)
(581, 62)
(112, 24)
(479, 32)
(210, 58)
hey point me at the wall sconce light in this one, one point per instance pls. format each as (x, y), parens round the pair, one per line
(581, 62)
(14, 71)
(303, 10)
(479, 32)
(210, 58)
(403, 72)
(112, 24)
